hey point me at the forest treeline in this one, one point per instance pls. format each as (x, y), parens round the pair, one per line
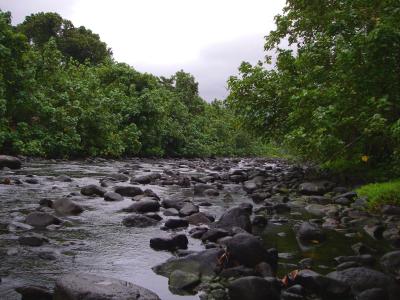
(333, 95)
(63, 95)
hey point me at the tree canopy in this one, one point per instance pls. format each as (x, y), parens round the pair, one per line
(62, 95)
(333, 94)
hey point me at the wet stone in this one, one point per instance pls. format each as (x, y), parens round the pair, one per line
(93, 190)
(176, 223)
(41, 219)
(112, 196)
(31, 292)
(137, 220)
(77, 286)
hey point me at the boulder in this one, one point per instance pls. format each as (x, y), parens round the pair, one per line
(326, 287)
(309, 232)
(176, 223)
(188, 209)
(128, 191)
(179, 241)
(236, 272)
(41, 219)
(93, 190)
(252, 288)
(361, 279)
(137, 220)
(33, 240)
(393, 210)
(248, 250)
(171, 212)
(143, 179)
(119, 177)
(181, 280)
(173, 203)
(65, 206)
(143, 206)
(214, 234)
(235, 217)
(315, 188)
(46, 202)
(373, 294)
(11, 162)
(31, 292)
(198, 218)
(112, 196)
(78, 286)
(390, 263)
(201, 187)
(203, 264)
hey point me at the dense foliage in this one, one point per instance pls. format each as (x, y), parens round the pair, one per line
(62, 95)
(333, 94)
(379, 194)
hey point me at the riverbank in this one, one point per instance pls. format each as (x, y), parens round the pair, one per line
(190, 228)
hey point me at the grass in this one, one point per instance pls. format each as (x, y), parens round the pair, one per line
(379, 194)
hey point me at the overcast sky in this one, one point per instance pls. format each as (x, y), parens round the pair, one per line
(208, 38)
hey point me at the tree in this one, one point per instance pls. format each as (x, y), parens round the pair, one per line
(79, 43)
(333, 95)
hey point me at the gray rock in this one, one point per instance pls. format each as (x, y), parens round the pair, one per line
(308, 232)
(319, 200)
(32, 181)
(31, 292)
(329, 288)
(201, 187)
(176, 223)
(198, 218)
(137, 220)
(112, 196)
(373, 294)
(93, 190)
(203, 263)
(361, 279)
(11, 162)
(391, 210)
(236, 272)
(249, 251)
(41, 219)
(143, 206)
(235, 217)
(171, 212)
(173, 203)
(375, 231)
(128, 191)
(211, 192)
(65, 206)
(144, 179)
(249, 186)
(315, 188)
(78, 286)
(188, 209)
(390, 263)
(181, 280)
(33, 240)
(119, 177)
(46, 202)
(214, 234)
(179, 241)
(252, 288)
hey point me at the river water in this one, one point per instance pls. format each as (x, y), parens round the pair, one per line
(96, 241)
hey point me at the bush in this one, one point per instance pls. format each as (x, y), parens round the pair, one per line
(379, 194)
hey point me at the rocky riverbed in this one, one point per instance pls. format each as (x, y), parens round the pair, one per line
(190, 229)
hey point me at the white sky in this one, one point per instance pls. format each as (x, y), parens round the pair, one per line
(208, 38)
